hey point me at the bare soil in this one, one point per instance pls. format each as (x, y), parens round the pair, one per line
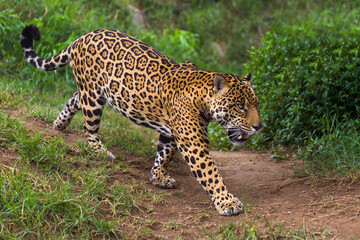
(272, 192)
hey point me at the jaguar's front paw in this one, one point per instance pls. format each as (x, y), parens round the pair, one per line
(167, 182)
(229, 206)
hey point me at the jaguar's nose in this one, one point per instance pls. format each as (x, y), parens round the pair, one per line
(257, 127)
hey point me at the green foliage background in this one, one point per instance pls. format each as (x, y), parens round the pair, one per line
(307, 75)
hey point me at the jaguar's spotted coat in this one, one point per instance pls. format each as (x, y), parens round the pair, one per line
(176, 99)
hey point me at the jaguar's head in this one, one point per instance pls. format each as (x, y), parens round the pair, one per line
(235, 106)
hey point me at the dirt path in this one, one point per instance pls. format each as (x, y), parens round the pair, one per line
(273, 194)
(271, 190)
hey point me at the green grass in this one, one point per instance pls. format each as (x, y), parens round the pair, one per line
(335, 155)
(53, 190)
(254, 228)
(9, 128)
(47, 192)
(32, 206)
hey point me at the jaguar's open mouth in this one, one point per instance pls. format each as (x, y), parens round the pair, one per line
(237, 137)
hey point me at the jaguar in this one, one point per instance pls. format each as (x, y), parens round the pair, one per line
(178, 100)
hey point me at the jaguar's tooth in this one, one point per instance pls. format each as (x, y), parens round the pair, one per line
(243, 137)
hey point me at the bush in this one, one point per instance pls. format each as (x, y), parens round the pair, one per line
(306, 76)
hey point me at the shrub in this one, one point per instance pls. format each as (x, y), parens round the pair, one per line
(307, 75)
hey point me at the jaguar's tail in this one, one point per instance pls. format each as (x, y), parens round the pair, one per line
(30, 33)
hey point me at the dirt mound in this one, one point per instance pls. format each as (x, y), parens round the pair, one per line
(271, 191)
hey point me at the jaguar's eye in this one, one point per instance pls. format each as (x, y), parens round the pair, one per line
(241, 107)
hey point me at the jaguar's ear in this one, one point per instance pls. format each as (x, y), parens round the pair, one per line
(248, 77)
(220, 85)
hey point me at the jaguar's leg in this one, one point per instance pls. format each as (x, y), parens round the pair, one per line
(92, 112)
(69, 110)
(193, 143)
(159, 175)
